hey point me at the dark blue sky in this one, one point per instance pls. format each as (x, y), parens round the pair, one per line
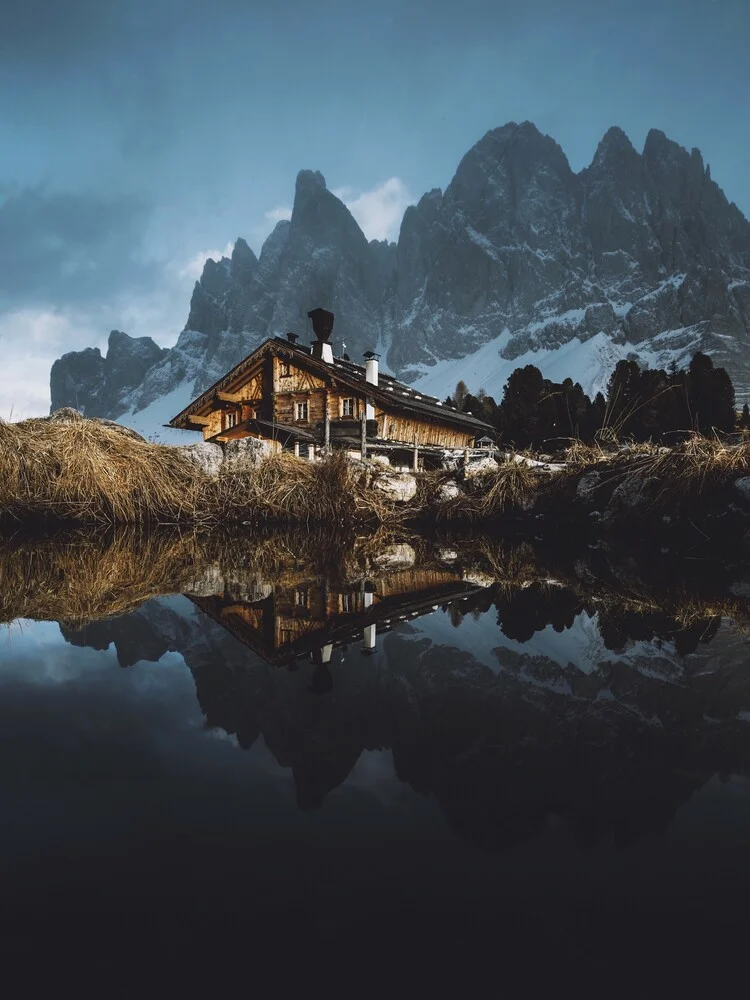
(139, 135)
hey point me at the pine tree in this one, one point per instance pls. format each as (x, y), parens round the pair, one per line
(460, 394)
(744, 421)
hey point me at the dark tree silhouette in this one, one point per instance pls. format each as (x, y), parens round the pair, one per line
(710, 396)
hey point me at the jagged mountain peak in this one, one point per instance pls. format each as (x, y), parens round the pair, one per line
(309, 181)
(242, 251)
(662, 154)
(318, 215)
(244, 262)
(519, 258)
(522, 140)
(615, 145)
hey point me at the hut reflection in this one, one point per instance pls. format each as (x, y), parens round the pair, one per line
(310, 618)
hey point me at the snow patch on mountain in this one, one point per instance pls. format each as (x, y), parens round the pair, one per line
(590, 362)
(150, 421)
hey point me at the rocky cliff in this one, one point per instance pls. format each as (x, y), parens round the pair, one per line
(97, 385)
(519, 260)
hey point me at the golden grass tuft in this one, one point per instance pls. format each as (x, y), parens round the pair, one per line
(334, 491)
(82, 470)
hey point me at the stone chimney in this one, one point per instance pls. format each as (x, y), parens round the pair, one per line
(322, 322)
(292, 338)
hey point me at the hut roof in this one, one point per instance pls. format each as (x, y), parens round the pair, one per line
(389, 391)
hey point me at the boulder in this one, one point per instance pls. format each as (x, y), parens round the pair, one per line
(203, 455)
(634, 493)
(587, 485)
(478, 578)
(244, 454)
(479, 467)
(447, 555)
(743, 488)
(399, 486)
(449, 491)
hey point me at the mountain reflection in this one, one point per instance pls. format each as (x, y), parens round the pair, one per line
(508, 693)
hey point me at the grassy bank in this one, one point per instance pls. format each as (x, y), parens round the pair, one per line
(89, 472)
(81, 471)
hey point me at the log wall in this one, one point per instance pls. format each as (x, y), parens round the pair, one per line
(410, 430)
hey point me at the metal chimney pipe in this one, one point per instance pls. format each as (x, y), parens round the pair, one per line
(371, 367)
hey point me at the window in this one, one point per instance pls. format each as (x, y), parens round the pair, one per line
(286, 369)
(347, 407)
(300, 410)
(301, 598)
(230, 419)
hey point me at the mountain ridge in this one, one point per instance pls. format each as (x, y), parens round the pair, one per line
(636, 254)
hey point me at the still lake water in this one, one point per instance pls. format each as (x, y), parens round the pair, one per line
(419, 767)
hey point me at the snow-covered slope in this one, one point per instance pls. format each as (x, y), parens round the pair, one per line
(151, 420)
(519, 261)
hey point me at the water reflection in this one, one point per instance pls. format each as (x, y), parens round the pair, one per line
(509, 688)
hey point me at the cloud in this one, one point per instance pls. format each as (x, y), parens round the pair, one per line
(30, 340)
(279, 214)
(193, 269)
(61, 248)
(379, 211)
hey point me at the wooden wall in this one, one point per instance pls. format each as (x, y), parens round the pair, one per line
(411, 430)
(214, 426)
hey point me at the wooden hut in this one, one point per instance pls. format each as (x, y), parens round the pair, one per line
(305, 399)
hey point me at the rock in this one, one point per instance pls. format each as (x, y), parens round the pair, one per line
(203, 455)
(479, 467)
(743, 488)
(244, 454)
(65, 415)
(587, 485)
(449, 491)
(381, 460)
(96, 385)
(395, 556)
(399, 486)
(634, 493)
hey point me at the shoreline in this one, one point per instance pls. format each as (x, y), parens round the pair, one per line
(89, 473)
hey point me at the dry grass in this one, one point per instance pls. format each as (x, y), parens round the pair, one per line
(510, 489)
(81, 470)
(282, 489)
(78, 470)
